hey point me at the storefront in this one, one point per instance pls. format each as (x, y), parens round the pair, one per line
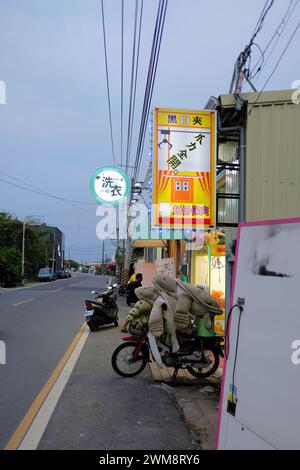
(208, 271)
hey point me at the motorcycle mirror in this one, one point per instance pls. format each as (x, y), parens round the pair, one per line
(110, 287)
(115, 285)
(94, 292)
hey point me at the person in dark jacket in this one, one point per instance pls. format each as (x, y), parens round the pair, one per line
(131, 296)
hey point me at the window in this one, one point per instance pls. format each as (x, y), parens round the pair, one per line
(185, 186)
(178, 186)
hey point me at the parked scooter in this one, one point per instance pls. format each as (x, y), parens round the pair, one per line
(122, 290)
(103, 310)
(199, 355)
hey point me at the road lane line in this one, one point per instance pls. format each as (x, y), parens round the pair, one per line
(57, 290)
(39, 424)
(18, 436)
(23, 302)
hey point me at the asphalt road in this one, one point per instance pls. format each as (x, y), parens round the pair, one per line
(99, 410)
(37, 325)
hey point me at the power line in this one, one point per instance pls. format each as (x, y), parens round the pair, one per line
(132, 81)
(276, 66)
(160, 20)
(261, 21)
(36, 190)
(107, 83)
(277, 34)
(136, 75)
(239, 68)
(153, 80)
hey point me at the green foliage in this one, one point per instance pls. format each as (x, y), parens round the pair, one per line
(70, 263)
(37, 248)
(10, 266)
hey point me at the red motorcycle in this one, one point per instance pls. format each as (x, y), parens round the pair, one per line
(199, 355)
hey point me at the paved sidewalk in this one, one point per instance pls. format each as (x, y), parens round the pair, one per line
(100, 410)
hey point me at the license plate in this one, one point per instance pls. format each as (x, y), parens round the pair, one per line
(88, 314)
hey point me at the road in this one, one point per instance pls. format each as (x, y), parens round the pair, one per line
(37, 324)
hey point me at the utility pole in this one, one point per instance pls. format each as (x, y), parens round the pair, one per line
(102, 266)
(23, 251)
(118, 243)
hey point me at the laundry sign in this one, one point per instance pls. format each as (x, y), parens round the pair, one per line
(184, 168)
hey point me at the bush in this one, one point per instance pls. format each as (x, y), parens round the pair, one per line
(10, 266)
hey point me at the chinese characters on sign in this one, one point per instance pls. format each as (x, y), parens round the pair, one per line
(176, 159)
(109, 185)
(184, 168)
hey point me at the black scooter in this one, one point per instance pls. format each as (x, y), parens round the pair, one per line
(103, 310)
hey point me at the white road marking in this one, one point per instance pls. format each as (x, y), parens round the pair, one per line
(57, 290)
(36, 284)
(38, 426)
(23, 302)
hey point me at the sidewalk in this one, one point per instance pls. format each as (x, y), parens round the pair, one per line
(100, 410)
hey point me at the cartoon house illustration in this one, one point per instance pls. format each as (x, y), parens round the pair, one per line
(182, 189)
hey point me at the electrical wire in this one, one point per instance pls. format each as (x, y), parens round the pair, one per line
(152, 82)
(261, 21)
(235, 354)
(245, 55)
(136, 75)
(276, 66)
(41, 192)
(226, 341)
(107, 82)
(160, 20)
(277, 34)
(132, 81)
(148, 85)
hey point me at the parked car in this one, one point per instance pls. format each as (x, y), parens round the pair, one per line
(46, 274)
(68, 273)
(61, 274)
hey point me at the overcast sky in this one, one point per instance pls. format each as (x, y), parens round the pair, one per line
(54, 130)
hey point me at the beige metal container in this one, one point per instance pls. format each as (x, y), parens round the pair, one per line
(272, 154)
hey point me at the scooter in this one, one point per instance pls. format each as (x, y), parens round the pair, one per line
(103, 310)
(199, 355)
(122, 290)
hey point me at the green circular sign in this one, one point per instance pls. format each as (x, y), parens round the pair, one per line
(109, 185)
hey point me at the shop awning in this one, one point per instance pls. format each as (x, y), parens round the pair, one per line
(149, 244)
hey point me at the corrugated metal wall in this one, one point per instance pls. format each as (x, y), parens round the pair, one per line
(273, 161)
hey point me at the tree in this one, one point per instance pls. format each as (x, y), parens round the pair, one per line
(10, 266)
(71, 263)
(36, 249)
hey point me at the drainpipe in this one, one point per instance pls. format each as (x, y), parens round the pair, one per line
(242, 201)
(242, 159)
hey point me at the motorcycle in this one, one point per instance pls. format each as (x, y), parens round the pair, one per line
(103, 310)
(199, 355)
(122, 290)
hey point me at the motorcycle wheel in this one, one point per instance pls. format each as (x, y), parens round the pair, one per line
(92, 325)
(204, 372)
(121, 360)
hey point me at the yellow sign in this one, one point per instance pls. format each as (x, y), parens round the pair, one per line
(184, 168)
